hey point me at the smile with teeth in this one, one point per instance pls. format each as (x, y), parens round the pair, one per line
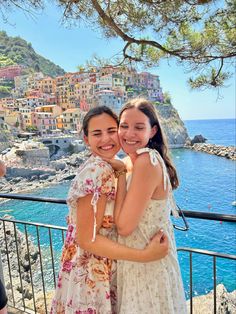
(107, 147)
(130, 142)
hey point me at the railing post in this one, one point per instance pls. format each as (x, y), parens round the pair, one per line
(1, 269)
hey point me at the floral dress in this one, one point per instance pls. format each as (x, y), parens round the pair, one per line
(86, 282)
(155, 287)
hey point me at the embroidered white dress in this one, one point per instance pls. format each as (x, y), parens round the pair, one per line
(86, 282)
(155, 287)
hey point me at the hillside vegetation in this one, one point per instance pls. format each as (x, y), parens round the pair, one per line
(15, 50)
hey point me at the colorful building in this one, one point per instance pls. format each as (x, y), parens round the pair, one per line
(72, 119)
(52, 109)
(44, 122)
(47, 85)
(25, 117)
(11, 71)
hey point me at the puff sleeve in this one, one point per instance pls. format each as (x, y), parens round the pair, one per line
(95, 177)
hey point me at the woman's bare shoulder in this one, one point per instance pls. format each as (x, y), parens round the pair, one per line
(127, 161)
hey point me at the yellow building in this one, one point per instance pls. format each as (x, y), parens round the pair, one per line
(54, 109)
(47, 85)
(59, 122)
(12, 118)
(25, 117)
(72, 119)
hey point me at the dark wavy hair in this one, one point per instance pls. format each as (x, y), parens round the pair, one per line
(158, 141)
(96, 111)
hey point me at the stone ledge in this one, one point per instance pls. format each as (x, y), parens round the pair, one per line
(228, 152)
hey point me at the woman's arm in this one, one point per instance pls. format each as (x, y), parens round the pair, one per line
(156, 249)
(145, 179)
(120, 195)
(119, 168)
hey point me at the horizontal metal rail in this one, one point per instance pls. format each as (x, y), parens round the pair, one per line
(206, 252)
(33, 198)
(187, 213)
(36, 224)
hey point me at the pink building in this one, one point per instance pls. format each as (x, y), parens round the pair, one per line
(10, 71)
(44, 121)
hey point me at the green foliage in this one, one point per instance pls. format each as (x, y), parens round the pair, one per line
(4, 91)
(167, 98)
(199, 34)
(210, 79)
(15, 50)
(5, 61)
(31, 128)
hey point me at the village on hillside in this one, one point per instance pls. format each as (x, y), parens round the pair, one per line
(46, 105)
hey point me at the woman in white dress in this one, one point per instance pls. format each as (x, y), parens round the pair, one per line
(142, 210)
(87, 277)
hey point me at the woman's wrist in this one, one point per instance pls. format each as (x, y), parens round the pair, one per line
(120, 172)
(144, 256)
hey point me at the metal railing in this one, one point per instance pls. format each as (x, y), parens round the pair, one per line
(29, 262)
(214, 255)
(31, 254)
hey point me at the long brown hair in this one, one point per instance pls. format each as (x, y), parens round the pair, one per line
(158, 141)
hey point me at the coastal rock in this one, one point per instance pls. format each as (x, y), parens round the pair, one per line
(67, 177)
(6, 137)
(34, 156)
(225, 302)
(218, 150)
(44, 176)
(22, 255)
(27, 172)
(33, 178)
(174, 127)
(198, 139)
(75, 161)
(22, 179)
(58, 165)
(16, 180)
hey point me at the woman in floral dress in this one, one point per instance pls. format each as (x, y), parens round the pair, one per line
(87, 277)
(144, 207)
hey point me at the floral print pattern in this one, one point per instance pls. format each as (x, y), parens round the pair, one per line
(86, 282)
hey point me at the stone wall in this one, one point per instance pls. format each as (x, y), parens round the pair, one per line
(36, 156)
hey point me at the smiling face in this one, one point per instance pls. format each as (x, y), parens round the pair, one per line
(134, 130)
(102, 136)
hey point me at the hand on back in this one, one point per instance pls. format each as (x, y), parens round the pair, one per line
(157, 247)
(116, 164)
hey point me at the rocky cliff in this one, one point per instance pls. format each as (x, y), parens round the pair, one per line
(225, 302)
(174, 127)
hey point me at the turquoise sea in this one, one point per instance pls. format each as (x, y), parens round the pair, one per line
(207, 184)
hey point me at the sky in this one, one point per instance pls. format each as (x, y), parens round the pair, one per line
(70, 47)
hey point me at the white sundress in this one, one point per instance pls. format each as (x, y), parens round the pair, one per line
(155, 287)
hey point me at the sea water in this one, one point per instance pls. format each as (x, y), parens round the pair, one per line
(207, 183)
